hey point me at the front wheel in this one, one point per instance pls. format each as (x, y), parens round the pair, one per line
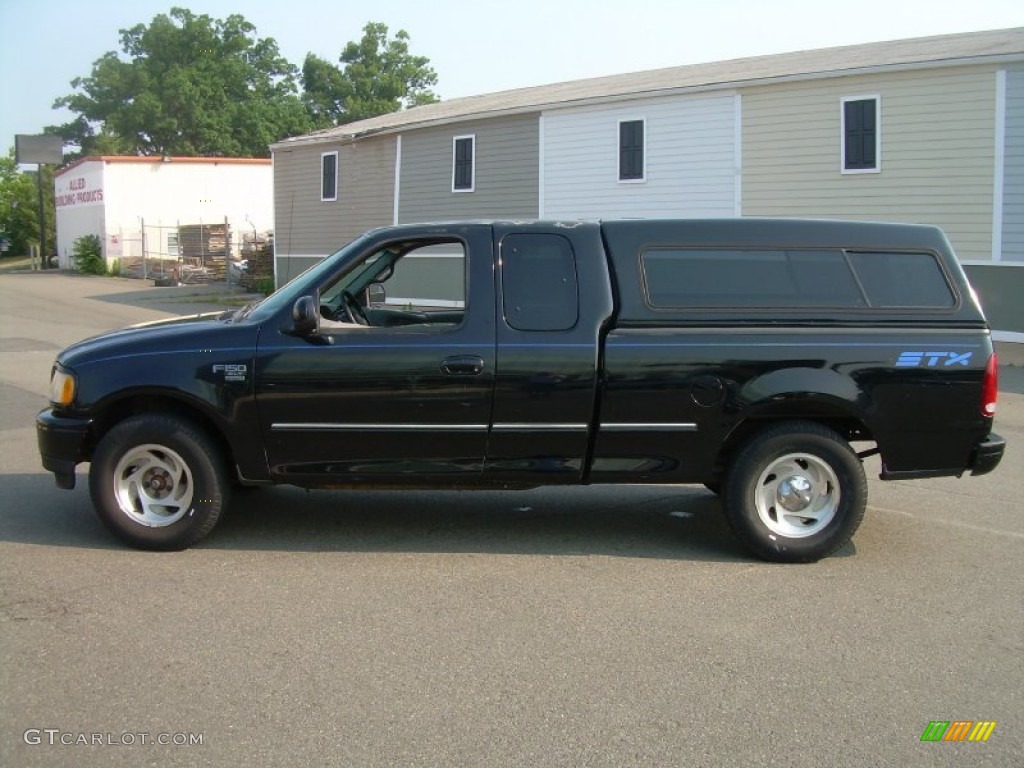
(158, 482)
(796, 493)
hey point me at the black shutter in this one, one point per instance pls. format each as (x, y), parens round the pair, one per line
(860, 118)
(463, 178)
(329, 182)
(631, 150)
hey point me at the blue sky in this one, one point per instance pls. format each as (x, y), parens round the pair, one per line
(475, 47)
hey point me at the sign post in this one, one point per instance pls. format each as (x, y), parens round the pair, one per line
(45, 149)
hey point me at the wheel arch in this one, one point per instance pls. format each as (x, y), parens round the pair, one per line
(113, 411)
(829, 411)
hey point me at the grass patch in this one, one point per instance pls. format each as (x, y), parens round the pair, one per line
(15, 263)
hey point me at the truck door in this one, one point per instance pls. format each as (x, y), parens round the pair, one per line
(398, 393)
(553, 298)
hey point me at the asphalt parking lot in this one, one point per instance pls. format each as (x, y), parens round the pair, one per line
(574, 627)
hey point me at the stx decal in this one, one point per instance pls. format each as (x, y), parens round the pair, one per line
(933, 359)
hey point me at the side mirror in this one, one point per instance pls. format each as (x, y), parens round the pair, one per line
(377, 295)
(305, 317)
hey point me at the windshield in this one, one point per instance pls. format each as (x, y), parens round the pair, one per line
(298, 286)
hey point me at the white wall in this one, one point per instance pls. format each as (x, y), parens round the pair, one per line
(166, 194)
(79, 197)
(111, 198)
(692, 158)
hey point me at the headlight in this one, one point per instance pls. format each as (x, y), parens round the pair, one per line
(62, 387)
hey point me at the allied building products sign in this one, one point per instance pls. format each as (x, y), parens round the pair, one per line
(74, 190)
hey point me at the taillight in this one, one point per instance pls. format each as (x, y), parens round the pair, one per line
(990, 387)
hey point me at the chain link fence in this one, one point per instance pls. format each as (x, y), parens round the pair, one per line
(190, 254)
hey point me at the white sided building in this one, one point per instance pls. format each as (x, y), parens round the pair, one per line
(136, 204)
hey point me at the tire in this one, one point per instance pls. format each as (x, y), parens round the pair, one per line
(158, 482)
(796, 493)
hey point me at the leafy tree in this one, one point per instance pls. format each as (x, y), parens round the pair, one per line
(378, 75)
(19, 205)
(186, 85)
(88, 254)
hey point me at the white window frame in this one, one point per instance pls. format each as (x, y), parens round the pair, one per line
(877, 98)
(472, 168)
(618, 150)
(336, 168)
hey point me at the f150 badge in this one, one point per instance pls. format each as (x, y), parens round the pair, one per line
(232, 371)
(933, 359)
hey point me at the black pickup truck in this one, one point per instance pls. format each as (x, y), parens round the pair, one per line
(746, 355)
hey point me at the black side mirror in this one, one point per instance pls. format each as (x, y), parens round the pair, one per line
(305, 317)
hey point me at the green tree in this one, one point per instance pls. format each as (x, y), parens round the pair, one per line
(19, 206)
(88, 254)
(377, 75)
(186, 85)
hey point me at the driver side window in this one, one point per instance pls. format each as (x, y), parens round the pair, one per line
(428, 278)
(409, 285)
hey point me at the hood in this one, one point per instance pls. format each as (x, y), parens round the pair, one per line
(190, 333)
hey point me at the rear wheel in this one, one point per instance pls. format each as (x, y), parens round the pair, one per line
(158, 482)
(796, 493)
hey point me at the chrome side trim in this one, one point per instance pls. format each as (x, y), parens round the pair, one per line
(637, 427)
(513, 427)
(509, 427)
(330, 427)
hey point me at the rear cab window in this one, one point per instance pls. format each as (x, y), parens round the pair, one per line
(903, 280)
(766, 278)
(539, 284)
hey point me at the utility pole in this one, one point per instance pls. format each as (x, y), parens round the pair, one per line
(44, 260)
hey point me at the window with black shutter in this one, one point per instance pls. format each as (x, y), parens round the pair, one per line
(631, 150)
(329, 176)
(860, 134)
(462, 163)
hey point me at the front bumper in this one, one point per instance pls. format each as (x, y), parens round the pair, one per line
(987, 454)
(62, 442)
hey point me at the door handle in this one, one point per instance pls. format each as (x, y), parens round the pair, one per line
(462, 365)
